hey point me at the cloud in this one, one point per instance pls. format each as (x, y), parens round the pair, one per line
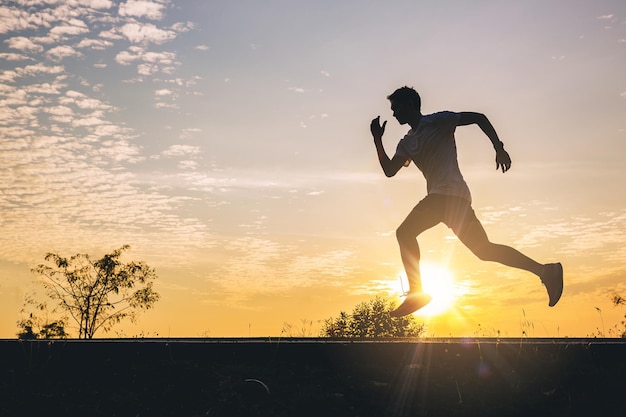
(110, 34)
(142, 8)
(34, 70)
(147, 69)
(94, 120)
(181, 27)
(576, 237)
(162, 58)
(73, 27)
(59, 18)
(95, 44)
(181, 150)
(14, 19)
(60, 112)
(98, 4)
(148, 63)
(162, 105)
(255, 262)
(58, 53)
(6, 56)
(23, 44)
(163, 92)
(67, 180)
(40, 69)
(126, 57)
(188, 164)
(146, 33)
(83, 101)
(59, 201)
(189, 132)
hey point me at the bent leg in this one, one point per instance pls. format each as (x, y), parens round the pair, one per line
(421, 218)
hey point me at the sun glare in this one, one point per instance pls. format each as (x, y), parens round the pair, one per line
(439, 283)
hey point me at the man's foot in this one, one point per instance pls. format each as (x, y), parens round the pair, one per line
(552, 278)
(413, 302)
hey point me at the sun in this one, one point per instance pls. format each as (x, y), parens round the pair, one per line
(439, 283)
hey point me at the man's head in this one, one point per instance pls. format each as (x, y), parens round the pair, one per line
(406, 104)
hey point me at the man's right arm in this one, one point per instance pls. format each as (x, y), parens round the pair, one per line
(390, 166)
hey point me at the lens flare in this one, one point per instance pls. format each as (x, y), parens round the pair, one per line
(439, 283)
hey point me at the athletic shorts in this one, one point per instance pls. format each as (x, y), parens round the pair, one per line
(454, 212)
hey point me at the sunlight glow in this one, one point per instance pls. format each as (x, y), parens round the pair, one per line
(440, 284)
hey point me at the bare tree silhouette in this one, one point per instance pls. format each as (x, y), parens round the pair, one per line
(95, 294)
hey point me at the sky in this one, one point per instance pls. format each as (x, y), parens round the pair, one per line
(227, 142)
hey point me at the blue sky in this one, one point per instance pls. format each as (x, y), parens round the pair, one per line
(227, 142)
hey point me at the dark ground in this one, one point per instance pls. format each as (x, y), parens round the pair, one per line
(313, 377)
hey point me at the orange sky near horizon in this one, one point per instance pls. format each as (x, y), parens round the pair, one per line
(228, 144)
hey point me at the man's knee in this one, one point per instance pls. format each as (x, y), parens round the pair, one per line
(404, 234)
(483, 250)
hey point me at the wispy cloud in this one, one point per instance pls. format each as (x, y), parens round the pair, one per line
(148, 63)
(255, 263)
(95, 44)
(65, 158)
(181, 150)
(576, 236)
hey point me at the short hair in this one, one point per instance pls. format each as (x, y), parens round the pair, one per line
(406, 95)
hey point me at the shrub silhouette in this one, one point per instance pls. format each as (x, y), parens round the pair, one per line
(371, 319)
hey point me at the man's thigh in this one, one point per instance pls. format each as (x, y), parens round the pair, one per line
(426, 214)
(461, 218)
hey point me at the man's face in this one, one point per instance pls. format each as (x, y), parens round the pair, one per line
(401, 112)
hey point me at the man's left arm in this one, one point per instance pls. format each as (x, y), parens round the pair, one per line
(503, 160)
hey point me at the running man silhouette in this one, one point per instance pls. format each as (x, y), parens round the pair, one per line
(430, 144)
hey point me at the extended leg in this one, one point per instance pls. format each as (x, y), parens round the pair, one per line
(475, 238)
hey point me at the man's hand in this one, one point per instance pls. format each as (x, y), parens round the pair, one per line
(376, 129)
(390, 166)
(503, 160)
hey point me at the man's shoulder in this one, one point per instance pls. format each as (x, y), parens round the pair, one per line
(441, 115)
(442, 118)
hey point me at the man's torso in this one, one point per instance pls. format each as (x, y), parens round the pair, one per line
(433, 150)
